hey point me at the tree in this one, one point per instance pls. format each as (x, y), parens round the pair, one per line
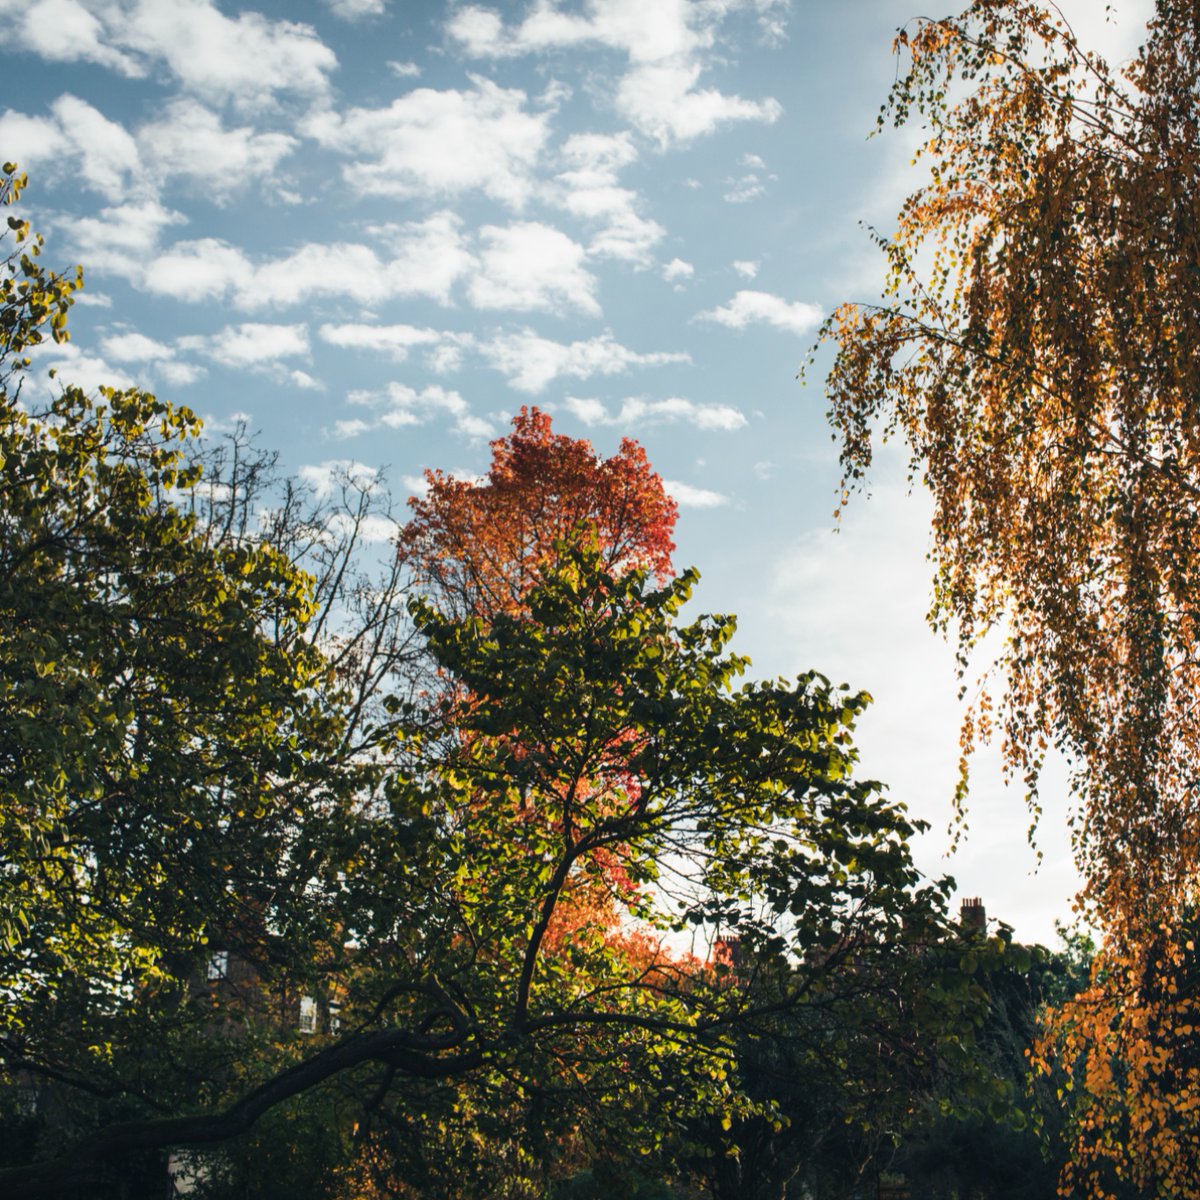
(195, 775)
(172, 767)
(1038, 347)
(588, 730)
(479, 546)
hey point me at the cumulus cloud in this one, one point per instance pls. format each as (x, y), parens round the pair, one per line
(746, 268)
(246, 60)
(136, 347)
(427, 258)
(399, 405)
(147, 354)
(194, 271)
(589, 188)
(192, 142)
(179, 374)
(440, 143)
(663, 101)
(526, 266)
(743, 188)
(531, 267)
(393, 340)
(530, 362)
(188, 141)
(258, 348)
(356, 10)
(419, 258)
(763, 308)
(64, 31)
(665, 45)
(637, 412)
(72, 367)
(75, 139)
(677, 270)
(323, 478)
(687, 496)
(122, 238)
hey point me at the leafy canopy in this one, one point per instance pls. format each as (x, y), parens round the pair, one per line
(1038, 347)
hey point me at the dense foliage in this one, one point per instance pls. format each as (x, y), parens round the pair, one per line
(1038, 347)
(255, 876)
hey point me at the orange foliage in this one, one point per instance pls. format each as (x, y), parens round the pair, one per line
(477, 546)
(1038, 346)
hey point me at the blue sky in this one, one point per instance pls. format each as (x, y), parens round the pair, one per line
(376, 228)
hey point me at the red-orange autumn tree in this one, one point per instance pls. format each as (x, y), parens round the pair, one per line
(475, 549)
(1038, 347)
(476, 546)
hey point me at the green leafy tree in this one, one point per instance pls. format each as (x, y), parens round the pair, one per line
(219, 795)
(171, 751)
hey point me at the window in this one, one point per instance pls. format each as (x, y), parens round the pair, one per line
(335, 1020)
(308, 1015)
(218, 964)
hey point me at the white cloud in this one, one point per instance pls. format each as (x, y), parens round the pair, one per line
(590, 189)
(405, 70)
(646, 32)
(531, 267)
(530, 362)
(677, 269)
(745, 267)
(687, 496)
(399, 405)
(746, 187)
(159, 358)
(427, 257)
(180, 374)
(440, 143)
(205, 269)
(372, 529)
(93, 299)
(325, 477)
(753, 161)
(75, 141)
(190, 141)
(78, 142)
(64, 31)
(665, 44)
(136, 347)
(393, 340)
(356, 10)
(302, 379)
(424, 258)
(246, 59)
(121, 239)
(73, 367)
(250, 344)
(637, 411)
(418, 485)
(763, 308)
(661, 99)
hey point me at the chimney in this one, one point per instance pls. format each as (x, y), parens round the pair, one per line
(973, 915)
